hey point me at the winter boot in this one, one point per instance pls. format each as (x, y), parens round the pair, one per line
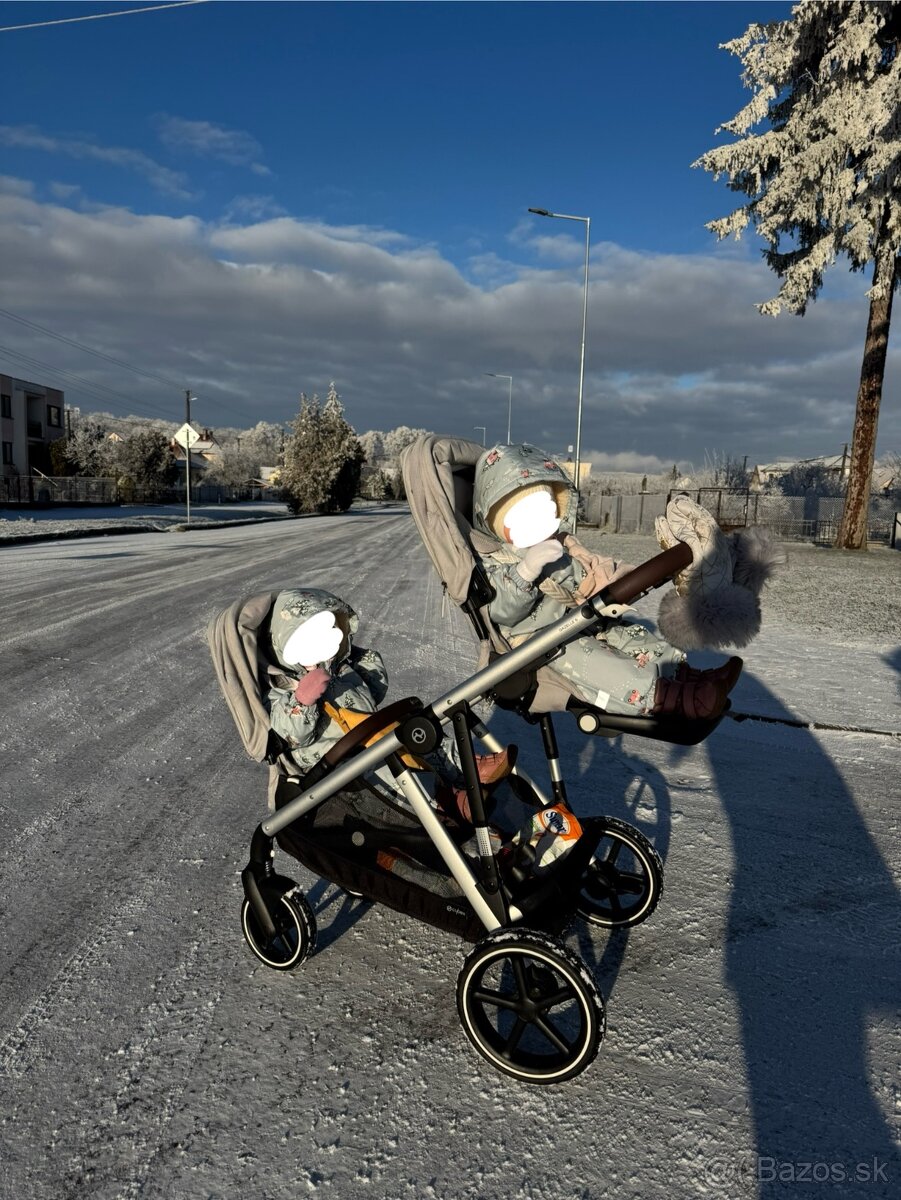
(492, 768)
(728, 673)
(697, 700)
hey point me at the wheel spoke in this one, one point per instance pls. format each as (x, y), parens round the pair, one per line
(627, 881)
(613, 853)
(552, 1035)
(498, 999)
(561, 997)
(519, 974)
(515, 1034)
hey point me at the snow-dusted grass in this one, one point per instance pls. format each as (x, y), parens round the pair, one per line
(848, 594)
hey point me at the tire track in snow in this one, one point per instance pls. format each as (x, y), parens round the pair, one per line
(157, 1066)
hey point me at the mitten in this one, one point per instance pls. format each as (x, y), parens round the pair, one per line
(711, 566)
(311, 686)
(537, 557)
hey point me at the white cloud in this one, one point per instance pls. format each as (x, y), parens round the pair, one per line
(162, 178)
(209, 140)
(253, 311)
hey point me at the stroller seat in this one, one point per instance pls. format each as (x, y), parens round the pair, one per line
(438, 477)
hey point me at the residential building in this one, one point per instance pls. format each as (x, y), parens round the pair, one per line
(31, 419)
(835, 464)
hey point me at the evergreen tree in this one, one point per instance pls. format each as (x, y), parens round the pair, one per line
(323, 458)
(823, 178)
(347, 453)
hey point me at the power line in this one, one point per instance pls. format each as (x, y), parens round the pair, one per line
(94, 390)
(118, 362)
(125, 12)
(89, 349)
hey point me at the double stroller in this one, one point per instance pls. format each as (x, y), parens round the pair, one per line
(526, 1001)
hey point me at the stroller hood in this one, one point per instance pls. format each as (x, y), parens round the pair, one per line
(504, 470)
(295, 606)
(242, 653)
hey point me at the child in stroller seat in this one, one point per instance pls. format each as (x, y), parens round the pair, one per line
(523, 512)
(329, 685)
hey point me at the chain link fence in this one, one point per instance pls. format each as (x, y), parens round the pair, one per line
(792, 518)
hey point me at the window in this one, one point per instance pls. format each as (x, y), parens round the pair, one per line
(54, 416)
(6, 406)
(7, 453)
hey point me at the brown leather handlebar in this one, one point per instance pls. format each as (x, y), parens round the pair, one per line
(648, 575)
(381, 721)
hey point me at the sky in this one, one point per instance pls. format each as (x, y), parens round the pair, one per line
(253, 200)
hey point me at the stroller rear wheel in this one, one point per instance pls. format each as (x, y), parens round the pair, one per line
(295, 932)
(529, 1006)
(624, 880)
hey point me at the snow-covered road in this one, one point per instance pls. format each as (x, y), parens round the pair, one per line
(753, 1042)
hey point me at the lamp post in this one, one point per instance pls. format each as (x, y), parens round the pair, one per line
(492, 375)
(543, 212)
(482, 427)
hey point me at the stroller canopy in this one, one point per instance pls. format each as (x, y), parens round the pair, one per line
(438, 477)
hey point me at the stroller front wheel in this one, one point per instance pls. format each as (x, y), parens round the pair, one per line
(529, 1006)
(295, 932)
(624, 880)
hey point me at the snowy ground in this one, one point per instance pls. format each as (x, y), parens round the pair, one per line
(753, 1040)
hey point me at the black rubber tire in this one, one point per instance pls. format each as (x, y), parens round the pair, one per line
(295, 939)
(529, 1006)
(616, 894)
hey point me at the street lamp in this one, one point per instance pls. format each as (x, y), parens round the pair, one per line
(543, 212)
(492, 375)
(482, 427)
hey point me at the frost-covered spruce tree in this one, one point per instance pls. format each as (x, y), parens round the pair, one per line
(823, 178)
(323, 458)
(308, 470)
(347, 453)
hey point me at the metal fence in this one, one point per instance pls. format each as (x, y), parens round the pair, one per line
(41, 490)
(793, 518)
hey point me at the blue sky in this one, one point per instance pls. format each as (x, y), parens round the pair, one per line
(255, 199)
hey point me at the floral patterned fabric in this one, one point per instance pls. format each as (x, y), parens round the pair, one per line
(616, 671)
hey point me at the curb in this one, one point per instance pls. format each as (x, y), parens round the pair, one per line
(114, 530)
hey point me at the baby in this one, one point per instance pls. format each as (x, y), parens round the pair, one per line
(523, 510)
(328, 681)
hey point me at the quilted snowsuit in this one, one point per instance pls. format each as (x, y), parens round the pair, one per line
(359, 682)
(616, 670)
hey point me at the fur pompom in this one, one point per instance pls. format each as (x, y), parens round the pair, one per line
(755, 555)
(699, 620)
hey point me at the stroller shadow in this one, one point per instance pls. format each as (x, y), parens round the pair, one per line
(634, 790)
(811, 955)
(612, 781)
(325, 896)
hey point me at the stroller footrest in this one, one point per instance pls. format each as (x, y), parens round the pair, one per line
(679, 730)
